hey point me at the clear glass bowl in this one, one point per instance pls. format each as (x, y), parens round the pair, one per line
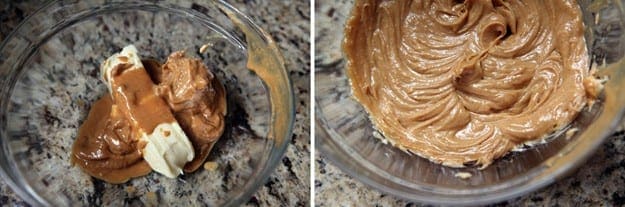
(345, 135)
(50, 65)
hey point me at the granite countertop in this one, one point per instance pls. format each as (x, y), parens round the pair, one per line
(599, 182)
(288, 23)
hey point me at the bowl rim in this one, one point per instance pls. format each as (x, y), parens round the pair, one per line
(278, 145)
(338, 153)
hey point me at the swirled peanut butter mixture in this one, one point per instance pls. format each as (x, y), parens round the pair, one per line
(461, 82)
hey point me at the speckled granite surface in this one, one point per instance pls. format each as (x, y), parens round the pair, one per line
(288, 23)
(599, 182)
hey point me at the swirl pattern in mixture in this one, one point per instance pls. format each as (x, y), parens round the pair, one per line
(462, 82)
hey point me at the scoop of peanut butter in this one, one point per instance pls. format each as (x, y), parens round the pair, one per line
(106, 147)
(461, 82)
(197, 99)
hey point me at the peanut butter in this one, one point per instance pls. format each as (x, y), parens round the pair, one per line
(464, 82)
(197, 99)
(106, 147)
(134, 95)
(109, 147)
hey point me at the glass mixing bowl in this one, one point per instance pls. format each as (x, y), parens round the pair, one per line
(346, 136)
(49, 67)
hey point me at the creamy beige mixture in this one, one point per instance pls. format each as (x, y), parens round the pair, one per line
(108, 145)
(463, 82)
